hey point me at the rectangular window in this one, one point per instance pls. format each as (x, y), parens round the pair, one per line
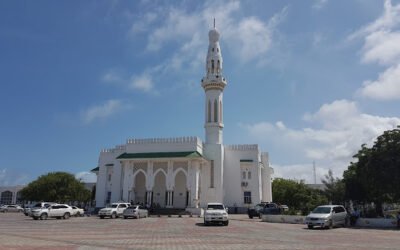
(244, 175)
(247, 197)
(249, 175)
(108, 198)
(109, 177)
(212, 174)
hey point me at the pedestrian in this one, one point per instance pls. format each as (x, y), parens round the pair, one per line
(354, 216)
(398, 220)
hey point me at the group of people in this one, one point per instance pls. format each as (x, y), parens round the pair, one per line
(355, 214)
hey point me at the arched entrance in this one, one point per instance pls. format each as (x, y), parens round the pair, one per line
(140, 188)
(180, 190)
(160, 189)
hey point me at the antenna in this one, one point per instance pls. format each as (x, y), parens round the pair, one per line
(315, 174)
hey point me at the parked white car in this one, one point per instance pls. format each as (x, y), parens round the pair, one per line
(216, 213)
(54, 211)
(136, 211)
(327, 216)
(38, 205)
(114, 210)
(76, 211)
(11, 208)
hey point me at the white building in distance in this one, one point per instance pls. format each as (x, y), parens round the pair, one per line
(187, 172)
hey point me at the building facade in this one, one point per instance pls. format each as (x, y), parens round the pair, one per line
(186, 172)
(10, 195)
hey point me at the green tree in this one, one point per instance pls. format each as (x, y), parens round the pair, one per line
(56, 186)
(375, 176)
(296, 195)
(334, 188)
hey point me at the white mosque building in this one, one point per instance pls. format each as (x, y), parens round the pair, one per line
(186, 172)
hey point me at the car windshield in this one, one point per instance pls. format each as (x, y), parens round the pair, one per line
(38, 205)
(322, 210)
(216, 207)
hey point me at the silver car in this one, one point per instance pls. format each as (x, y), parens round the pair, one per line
(327, 216)
(11, 208)
(136, 211)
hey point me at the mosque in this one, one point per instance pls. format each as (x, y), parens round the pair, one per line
(187, 172)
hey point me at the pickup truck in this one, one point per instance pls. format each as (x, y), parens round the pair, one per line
(264, 208)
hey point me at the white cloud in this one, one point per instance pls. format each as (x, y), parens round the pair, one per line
(386, 87)
(249, 37)
(382, 46)
(102, 111)
(9, 177)
(86, 177)
(143, 82)
(319, 4)
(336, 132)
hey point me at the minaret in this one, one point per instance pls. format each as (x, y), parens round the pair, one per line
(213, 84)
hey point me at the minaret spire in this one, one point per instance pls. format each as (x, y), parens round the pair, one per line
(214, 84)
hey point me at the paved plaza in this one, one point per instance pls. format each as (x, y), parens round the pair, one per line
(20, 232)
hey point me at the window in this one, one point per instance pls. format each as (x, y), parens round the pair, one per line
(249, 175)
(244, 175)
(215, 110)
(209, 111)
(247, 197)
(212, 66)
(6, 197)
(109, 177)
(212, 174)
(108, 197)
(220, 111)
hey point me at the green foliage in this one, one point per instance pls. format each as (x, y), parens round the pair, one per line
(58, 187)
(375, 176)
(334, 188)
(296, 195)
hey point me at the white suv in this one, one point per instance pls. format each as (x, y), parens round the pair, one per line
(216, 213)
(114, 210)
(54, 211)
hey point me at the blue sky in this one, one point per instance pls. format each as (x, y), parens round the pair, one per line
(307, 80)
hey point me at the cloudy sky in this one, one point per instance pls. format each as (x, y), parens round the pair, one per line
(307, 80)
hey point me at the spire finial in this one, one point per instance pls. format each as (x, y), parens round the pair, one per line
(214, 22)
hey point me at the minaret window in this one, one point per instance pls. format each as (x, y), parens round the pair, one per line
(220, 111)
(218, 66)
(209, 111)
(212, 174)
(212, 66)
(215, 111)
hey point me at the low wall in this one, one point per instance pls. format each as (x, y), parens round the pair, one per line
(291, 219)
(361, 222)
(376, 223)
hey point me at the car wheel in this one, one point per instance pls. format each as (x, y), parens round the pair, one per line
(101, 217)
(250, 216)
(260, 216)
(35, 218)
(330, 224)
(125, 217)
(66, 216)
(310, 226)
(205, 223)
(43, 216)
(226, 223)
(78, 214)
(113, 215)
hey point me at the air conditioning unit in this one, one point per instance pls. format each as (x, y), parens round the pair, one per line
(244, 183)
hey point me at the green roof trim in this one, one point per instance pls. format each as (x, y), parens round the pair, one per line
(189, 154)
(246, 160)
(95, 169)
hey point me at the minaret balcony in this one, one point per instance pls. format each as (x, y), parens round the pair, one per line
(214, 125)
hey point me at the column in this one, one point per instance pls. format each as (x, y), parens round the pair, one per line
(194, 189)
(149, 197)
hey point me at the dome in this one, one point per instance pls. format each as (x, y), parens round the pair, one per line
(213, 35)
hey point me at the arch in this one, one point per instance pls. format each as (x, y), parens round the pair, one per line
(139, 182)
(137, 172)
(160, 188)
(180, 189)
(180, 169)
(215, 110)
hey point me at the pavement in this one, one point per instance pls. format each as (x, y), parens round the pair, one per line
(18, 231)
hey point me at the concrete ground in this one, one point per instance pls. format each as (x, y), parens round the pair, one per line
(20, 232)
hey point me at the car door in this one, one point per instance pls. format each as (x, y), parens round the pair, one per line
(121, 208)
